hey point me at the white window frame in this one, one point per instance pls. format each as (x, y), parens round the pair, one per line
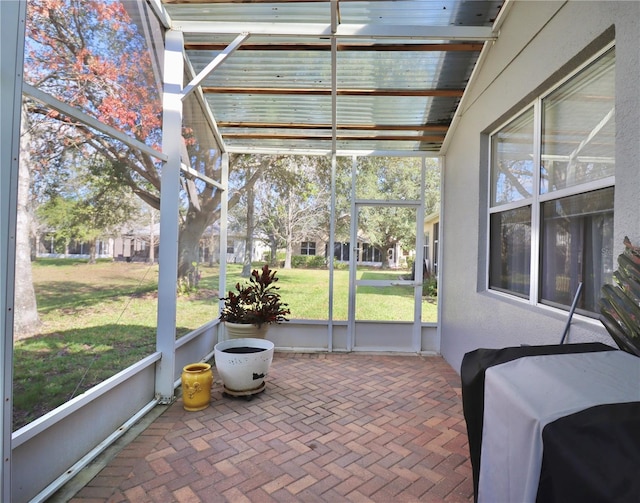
(304, 250)
(537, 199)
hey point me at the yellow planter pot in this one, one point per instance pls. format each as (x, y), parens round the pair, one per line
(196, 386)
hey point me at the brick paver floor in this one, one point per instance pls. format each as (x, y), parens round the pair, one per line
(327, 428)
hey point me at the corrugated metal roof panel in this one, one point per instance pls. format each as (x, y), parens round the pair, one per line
(399, 12)
(258, 12)
(276, 91)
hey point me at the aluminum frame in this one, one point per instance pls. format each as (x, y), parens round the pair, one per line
(12, 21)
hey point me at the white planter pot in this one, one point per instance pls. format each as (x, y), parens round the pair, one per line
(245, 330)
(242, 364)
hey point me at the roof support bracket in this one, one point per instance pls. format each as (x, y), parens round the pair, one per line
(217, 61)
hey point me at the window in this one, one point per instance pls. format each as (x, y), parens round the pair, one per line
(308, 248)
(436, 246)
(510, 261)
(552, 193)
(577, 234)
(426, 249)
(230, 249)
(341, 251)
(370, 253)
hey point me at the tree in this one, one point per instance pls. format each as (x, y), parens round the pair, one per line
(293, 202)
(380, 178)
(89, 53)
(247, 171)
(248, 251)
(92, 206)
(26, 319)
(150, 215)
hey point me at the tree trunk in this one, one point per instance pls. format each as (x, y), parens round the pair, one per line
(248, 251)
(152, 238)
(273, 242)
(189, 242)
(212, 246)
(36, 246)
(386, 259)
(197, 221)
(92, 252)
(288, 254)
(26, 319)
(289, 248)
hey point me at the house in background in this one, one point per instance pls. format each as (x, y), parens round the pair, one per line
(132, 244)
(431, 244)
(368, 254)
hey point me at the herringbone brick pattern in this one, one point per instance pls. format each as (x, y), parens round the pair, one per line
(327, 428)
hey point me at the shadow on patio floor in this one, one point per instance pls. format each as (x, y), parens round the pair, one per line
(327, 428)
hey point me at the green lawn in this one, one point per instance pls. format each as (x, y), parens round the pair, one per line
(99, 319)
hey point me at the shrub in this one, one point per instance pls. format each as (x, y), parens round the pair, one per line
(308, 262)
(410, 262)
(256, 302)
(430, 287)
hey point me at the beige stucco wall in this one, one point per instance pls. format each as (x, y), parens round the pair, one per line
(539, 43)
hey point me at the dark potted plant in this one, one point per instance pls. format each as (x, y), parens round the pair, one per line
(620, 301)
(255, 305)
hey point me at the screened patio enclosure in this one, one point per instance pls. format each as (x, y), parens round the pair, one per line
(344, 80)
(336, 79)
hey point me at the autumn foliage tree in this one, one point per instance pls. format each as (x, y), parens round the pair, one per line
(90, 54)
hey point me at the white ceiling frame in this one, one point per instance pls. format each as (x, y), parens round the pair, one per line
(387, 153)
(74, 113)
(466, 33)
(217, 61)
(79, 115)
(250, 149)
(335, 15)
(332, 31)
(239, 149)
(495, 29)
(161, 12)
(205, 106)
(195, 174)
(335, 22)
(352, 31)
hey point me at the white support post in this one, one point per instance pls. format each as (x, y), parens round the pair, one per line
(224, 211)
(418, 267)
(169, 214)
(353, 260)
(442, 165)
(13, 28)
(331, 250)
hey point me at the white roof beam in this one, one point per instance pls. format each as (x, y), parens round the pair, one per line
(248, 149)
(208, 114)
(195, 174)
(217, 61)
(354, 31)
(160, 12)
(335, 22)
(335, 15)
(479, 33)
(74, 113)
